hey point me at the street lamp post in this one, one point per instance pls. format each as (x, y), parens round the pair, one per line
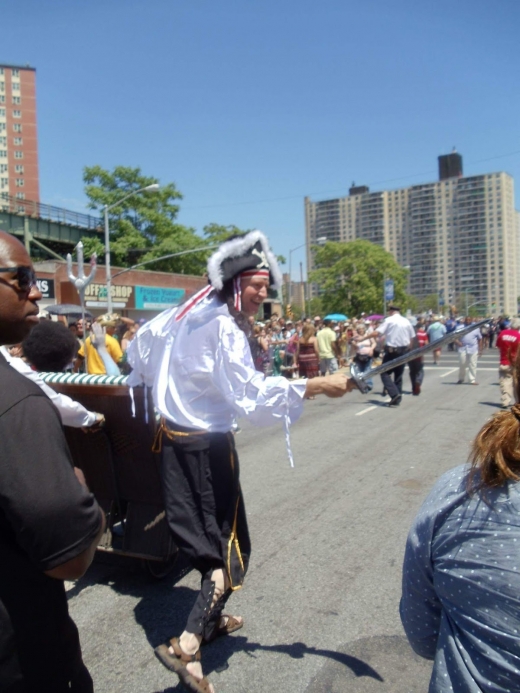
(108, 276)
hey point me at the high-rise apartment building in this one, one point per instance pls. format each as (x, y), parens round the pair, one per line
(18, 133)
(459, 236)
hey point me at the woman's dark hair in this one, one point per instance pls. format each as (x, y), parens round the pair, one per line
(50, 346)
(495, 454)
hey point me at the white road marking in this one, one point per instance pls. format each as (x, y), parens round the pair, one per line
(453, 370)
(364, 411)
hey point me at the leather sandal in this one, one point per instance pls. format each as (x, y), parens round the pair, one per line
(232, 624)
(177, 661)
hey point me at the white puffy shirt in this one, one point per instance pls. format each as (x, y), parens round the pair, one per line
(202, 372)
(397, 330)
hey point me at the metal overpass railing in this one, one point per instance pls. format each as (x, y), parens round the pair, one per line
(29, 208)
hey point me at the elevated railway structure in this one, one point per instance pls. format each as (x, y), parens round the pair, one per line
(46, 230)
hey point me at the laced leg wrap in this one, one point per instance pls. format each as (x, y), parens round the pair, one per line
(205, 615)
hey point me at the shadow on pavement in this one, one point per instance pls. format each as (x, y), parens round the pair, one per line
(497, 405)
(216, 657)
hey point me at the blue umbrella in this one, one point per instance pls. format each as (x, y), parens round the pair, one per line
(338, 317)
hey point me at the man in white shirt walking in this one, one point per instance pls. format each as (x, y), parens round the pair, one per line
(198, 361)
(398, 333)
(470, 348)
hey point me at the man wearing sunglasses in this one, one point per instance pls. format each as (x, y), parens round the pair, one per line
(50, 524)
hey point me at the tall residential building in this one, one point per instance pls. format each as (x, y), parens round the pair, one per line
(18, 133)
(459, 236)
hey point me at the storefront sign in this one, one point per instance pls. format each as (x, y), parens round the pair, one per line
(157, 297)
(46, 288)
(96, 295)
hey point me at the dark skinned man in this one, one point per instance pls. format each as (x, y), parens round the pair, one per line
(50, 524)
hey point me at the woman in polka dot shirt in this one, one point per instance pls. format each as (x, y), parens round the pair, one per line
(460, 602)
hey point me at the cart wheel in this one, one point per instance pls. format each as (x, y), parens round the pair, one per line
(160, 569)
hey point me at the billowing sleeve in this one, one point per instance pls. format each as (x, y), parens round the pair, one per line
(264, 401)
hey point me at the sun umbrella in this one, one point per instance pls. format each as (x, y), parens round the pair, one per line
(68, 309)
(375, 317)
(338, 317)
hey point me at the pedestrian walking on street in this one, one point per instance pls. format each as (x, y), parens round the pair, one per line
(469, 348)
(198, 361)
(508, 342)
(328, 349)
(398, 333)
(436, 330)
(416, 366)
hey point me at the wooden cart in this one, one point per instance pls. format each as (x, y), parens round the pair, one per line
(120, 468)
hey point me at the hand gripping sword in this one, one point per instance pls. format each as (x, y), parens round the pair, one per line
(360, 377)
(81, 282)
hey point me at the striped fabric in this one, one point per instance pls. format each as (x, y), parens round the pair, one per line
(83, 379)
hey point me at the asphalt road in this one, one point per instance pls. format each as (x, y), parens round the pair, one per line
(321, 598)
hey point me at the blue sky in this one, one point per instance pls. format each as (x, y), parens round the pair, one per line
(250, 106)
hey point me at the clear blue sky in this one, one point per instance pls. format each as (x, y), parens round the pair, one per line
(250, 106)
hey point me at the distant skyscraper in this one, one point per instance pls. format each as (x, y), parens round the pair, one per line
(459, 236)
(18, 133)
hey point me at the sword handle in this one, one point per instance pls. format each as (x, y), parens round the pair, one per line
(355, 375)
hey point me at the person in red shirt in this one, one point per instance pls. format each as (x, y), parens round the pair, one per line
(417, 365)
(508, 342)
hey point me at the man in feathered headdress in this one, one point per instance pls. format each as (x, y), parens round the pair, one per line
(197, 359)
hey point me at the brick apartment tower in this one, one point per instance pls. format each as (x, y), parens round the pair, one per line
(18, 133)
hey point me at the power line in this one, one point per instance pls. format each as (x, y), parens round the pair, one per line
(331, 192)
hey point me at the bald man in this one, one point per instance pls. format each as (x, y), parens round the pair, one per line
(50, 524)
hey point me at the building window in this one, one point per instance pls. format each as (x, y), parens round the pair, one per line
(15, 86)
(3, 168)
(3, 141)
(18, 168)
(3, 153)
(4, 181)
(19, 182)
(17, 114)
(2, 99)
(18, 155)
(18, 140)
(2, 112)
(17, 127)
(15, 73)
(2, 86)
(2, 127)
(17, 100)
(20, 196)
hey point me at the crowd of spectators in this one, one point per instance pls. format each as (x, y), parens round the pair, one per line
(303, 348)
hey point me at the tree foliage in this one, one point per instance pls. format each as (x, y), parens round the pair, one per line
(351, 275)
(143, 226)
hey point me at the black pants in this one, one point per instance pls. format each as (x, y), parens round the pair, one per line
(394, 387)
(416, 371)
(206, 514)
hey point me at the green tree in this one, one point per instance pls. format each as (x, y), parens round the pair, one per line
(429, 302)
(351, 275)
(143, 226)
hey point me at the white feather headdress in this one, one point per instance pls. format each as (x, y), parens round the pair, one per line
(221, 263)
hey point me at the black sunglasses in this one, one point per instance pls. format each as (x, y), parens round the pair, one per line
(25, 276)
